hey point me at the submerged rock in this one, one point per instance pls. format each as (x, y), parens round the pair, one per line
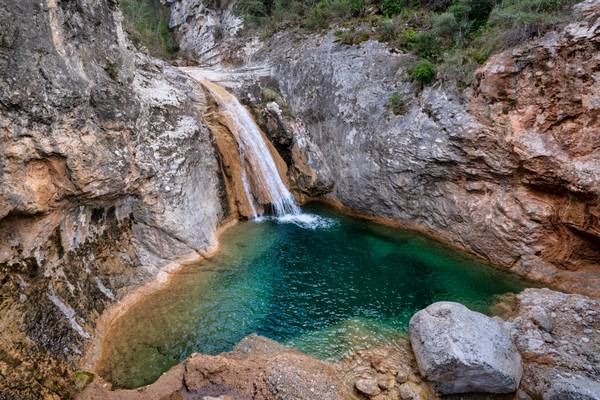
(463, 351)
(258, 368)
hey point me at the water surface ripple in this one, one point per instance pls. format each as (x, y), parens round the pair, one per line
(327, 289)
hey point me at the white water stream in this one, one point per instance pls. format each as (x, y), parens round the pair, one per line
(259, 167)
(257, 159)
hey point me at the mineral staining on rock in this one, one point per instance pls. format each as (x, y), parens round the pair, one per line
(463, 351)
(108, 174)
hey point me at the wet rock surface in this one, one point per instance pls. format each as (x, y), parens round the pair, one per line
(463, 351)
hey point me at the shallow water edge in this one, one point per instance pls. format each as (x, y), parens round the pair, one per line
(108, 318)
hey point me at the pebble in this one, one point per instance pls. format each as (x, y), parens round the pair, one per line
(386, 382)
(368, 387)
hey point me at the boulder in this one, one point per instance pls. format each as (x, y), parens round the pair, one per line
(573, 388)
(463, 351)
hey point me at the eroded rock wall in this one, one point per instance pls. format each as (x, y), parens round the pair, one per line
(205, 29)
(509, 171)
(107, 175)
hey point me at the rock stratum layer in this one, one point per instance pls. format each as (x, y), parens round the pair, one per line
(107, 175)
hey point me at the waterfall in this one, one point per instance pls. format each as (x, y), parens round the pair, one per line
(249, 195)
(257, 161)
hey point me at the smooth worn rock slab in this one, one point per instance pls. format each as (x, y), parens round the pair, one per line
(463, 351)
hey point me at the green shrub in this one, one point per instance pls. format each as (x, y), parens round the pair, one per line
(352, 36)
(112, 69)
(459, 66)
(408, 37)
(147, 23)
(389, 30)
(252, 9)
(392, 7)
(425, 45)
(423, 72)
(446, 27)
(318, 17)
(397, 103)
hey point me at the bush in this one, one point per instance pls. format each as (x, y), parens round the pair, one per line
(147, 23)
(423, 72)
(518, 20)
(446, 27)
(458, 66)
(392, 7)
(112, 69)
(397, 103)
(408, 37)
(352, 36)
(318, 17)
(425, 44)
(389, 30)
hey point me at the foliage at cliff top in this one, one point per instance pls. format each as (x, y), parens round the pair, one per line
(457, 35)
(147, 22)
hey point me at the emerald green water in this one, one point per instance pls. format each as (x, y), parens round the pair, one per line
(327, 291)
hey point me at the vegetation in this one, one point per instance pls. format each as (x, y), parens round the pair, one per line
(451, 36)
(423, 72)
(112, 69)
(397, 103)
(352, 36)
(147, 22)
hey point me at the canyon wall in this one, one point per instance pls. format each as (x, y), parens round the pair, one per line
(107, 174)
(509, 170)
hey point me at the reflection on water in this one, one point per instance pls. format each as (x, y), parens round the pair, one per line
(327, 291)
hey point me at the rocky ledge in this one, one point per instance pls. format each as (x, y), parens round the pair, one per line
(537, 350)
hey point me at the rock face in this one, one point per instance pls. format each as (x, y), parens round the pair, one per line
(463, 351)
(205, 29)
(558, 336)
(509, 171)
(106, 174)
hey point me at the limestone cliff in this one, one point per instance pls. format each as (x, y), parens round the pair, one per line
(509, 169)
(107, 175)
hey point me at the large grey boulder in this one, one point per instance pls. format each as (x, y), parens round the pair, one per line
(463, 351)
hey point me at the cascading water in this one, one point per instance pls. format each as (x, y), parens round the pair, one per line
(254, 152)
(249, 195)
